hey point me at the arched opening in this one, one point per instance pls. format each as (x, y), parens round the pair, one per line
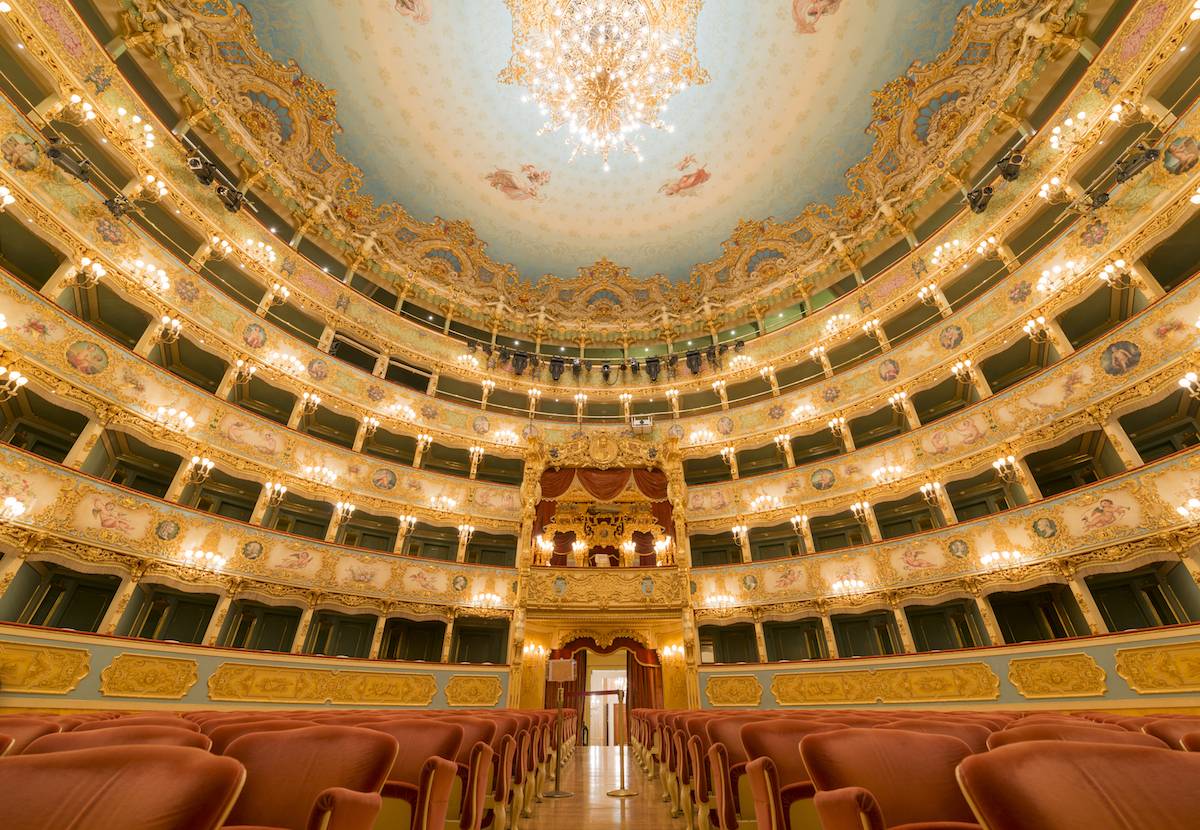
(620, 664)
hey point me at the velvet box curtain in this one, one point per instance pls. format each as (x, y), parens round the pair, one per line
(645, 682)
(642, 670)
(604, 485)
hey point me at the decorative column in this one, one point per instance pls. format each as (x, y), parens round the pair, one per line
(818, 353)
(1026, 480)
(767, 373)
(743, 540)
(302, 629)
(729, 456)
(1083, 596)
(1058, 338)
(465, 532)
(423, 442)
(718, 386)
(841, 429)
(485, 391)
(932, 295)
(1146, 281)
(1119, 438)
(865, 514)
(830, 637)
(760, 641)
(902, 627)
(85, 443)
(448, 639)
(120, 600)
(224, 603)
(476, 454)
(377, 637)
(783, 443)
(431, 389)
(990, 624)
(9, 565)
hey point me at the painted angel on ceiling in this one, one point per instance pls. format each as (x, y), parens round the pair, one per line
(521, 186)
(694, 175)
(807, 13)
(418, 10)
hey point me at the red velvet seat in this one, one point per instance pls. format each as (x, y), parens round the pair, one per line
(6, 743)
(1083, 786)
(1171, 730)
(1191, 742)
(148, 720)
(871, 779)
(223, 736)
(131, 736)
(411, 780)
(300, 778)
(142, 787)
(1064, 719)
(779, 739)
(474, 805)
(1070, 732)
(973, 735)
(24, 731)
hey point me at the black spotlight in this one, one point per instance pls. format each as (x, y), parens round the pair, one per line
(59, 152)
(672, 361)
(118, 205)
(1137, 161)
(472, 346)
(634, 365)
(519, 361)
(205, 170)
(487, 349)
(739, 345)
(231, 197)
(605, 371)
(653, 365)
(711, 355)
(576, 367)
(503, 353)
(557, 364)
(1010, 165)
(979, 197)
(692, 359)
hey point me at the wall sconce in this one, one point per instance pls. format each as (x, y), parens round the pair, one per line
(1189, 510)
(662, 550)
(963, 371)
(872, 328)
(198, 469)
(342, 511)
(264, 255)
(1001, 559)
(799, 522)
(1036, 329)
(286, 362)
(175, 419)
(720, 601)
(88, 274)
(739, 532)
(486, 599)
(928, 295)
(169, 329)
(203, 559)
(781, 442)
(275, 491)
(1066, 135)
(931, 491)
(11, 382)
(804, 411)
(488, 386)
(816, 352)
(11, 509)
(626, 400)
(476, 454)
(309, 402)
(887, 474)
(987, 247)
(407, 523)
(6, 198)
(701, 436)
(671, 652)
(1056, 278)
(579, 548)
(74, 111)
(218, 248)
(1006, 468)
(944, 252)
(848, 585)
(444, 504)
(761, 503)
(837, 426)
(243, 371)
(424, 440)
(861, 511)
(150, 276)
(138, 129)
(836, 323)
(1116, 275)
(279, 294)
(898, 400)
(535, 652)
(465, 532)
(370, 426)
(628, 548)
(320, 474)
(1055, 192)
(728, 454)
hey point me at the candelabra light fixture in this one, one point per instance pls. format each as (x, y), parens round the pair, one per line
(1056, 278)
(1116, 274)
(671, 652)
(309, 402)
(467, 361)
(169, 329)
(861, 511)
(320, 474)
(402, 411)
(88, 274)
(1191, 383)
(739, 532)
(728, 454)
(286, 362)
(198, 469)
(243, 371)
(152, 189)
(1189, 511)
(486, 599)
(817, 352)
(73, 110)
(1054, 191)
(260, 252)
(534, 651)
(274, 491)
(720, 601)
(1036, 329)
(873, 328)
(963, 370)
(836, 323)
(1001, 559)
(11, 382)
(603, 71)
(370, 425)
(987, 246)
(928, 294)
(781, 442)
(887, 474)
(151, 276)
(765, 502)
(219, 248)
(718, 386)
(175, 419)
(945, 252)
(407, 522)
(203, 559)
(139, 130)
(799, 522)
(342, 511)
(898, 400)
(444, 503)
(1067, 134)
(505, 436)
(1006, 468)
(279, 294)
(579, 548)
(424, 440)
(837, 426)
(848, 585)
(11, 509)
(931, 492)
(804, 411)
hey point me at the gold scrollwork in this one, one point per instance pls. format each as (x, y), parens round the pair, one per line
(44, 670)
(143, 675)
(474, 690)
(733, 690)
(279, 684)
(1161, 669)
(1057, 675)
(924, 684)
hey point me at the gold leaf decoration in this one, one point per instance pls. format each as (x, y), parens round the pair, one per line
(1161, 669)
(733, 690)
(924, 684)
(43, 670)
(143, 675)
(1059, 675)
(279, 684)
(474, 690)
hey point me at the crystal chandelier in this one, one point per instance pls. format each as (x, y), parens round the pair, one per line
(603, 69)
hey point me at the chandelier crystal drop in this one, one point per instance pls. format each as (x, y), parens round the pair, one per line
(603, 69)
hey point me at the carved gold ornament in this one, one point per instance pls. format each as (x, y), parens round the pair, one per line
(1059, 675)
(45, 670)
(1161, 669)
(142, 675)
(923, 684)
(278, 684)
(733, 690)
(473, 690)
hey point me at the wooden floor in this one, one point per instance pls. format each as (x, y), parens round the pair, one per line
(590, 775)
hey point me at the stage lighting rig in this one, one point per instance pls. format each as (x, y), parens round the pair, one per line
(68, 159)
(979, 198)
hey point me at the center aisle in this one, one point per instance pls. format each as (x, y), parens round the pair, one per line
(590, 775)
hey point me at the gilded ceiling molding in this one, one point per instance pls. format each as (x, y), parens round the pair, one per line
(148, 676)
(1057, 675)
(42, 670)
(216, 57)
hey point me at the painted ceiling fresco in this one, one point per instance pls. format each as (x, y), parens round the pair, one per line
(783, 117)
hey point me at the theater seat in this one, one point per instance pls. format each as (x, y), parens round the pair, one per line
(142, 787)
(1171, 730)
(1191, 742)
(132, 736)
(872, 779)
(1069, 732)
(1069, 785)
(779, 739)
(411, 779)
(479, 767)
(223, 736)
(24, 731)
(6, 743)
(972, 734)
(302, 778)
(146, 720)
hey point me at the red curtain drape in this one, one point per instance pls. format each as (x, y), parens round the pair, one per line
(645, 683)
(614, 558)
(604, 485)
(642, 670)
(643, 547)
(556, 482)
(652, 483)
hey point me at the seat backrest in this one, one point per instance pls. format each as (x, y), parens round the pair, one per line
(1171, 730)
(6, 743)
(1065, 719)
(911, 775)
(421, 740)
(223, 736)
(1070, 732)
(1082, 785)
(474, 730)
(764, 787)
(147, 787)
(722, 788)
(728, 730)
(502, 777)
(779, 739)
(973, 735)
(24, 731)
(1191, 742)
(148, 720)
(131, 736)
(434, 781)
(479, 764)
(287, 771)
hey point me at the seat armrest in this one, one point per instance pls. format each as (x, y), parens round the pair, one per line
(345, 809)
(849, 808)
(401, 790)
